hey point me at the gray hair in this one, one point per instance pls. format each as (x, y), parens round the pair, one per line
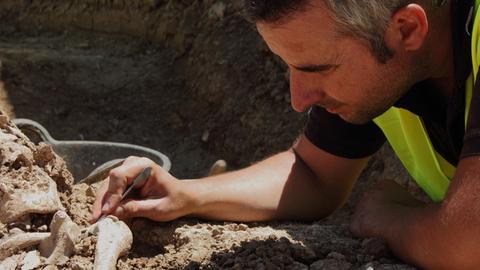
(366, 20)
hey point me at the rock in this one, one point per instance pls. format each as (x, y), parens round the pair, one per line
(220, 166)
(303, 254)
(375, 247)
(10, 263)
(298, 266)
(31, 260)
(330, 264)
(217, 11)
(27, 191)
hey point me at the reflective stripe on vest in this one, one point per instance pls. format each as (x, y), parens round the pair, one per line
(409, 139)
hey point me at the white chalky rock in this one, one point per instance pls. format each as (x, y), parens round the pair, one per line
(12, 243)
(54, 267)
(10, 263)
(64, 234)
(7, 126)
(16, 150)
(114, 239)
(31, 260)
(27, 191)
(12, 153)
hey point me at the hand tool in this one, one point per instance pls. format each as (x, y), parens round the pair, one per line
(101, 174)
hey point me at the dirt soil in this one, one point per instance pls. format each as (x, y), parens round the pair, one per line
(193, 80)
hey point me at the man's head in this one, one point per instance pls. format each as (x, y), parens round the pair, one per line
(355, 58)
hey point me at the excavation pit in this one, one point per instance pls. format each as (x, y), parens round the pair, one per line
(198, 85)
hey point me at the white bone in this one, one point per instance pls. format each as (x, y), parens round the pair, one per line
(31, 260)
(10, 244)
(114, 239)
(64, 233)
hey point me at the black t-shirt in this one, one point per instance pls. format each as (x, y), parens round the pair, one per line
(444, 120)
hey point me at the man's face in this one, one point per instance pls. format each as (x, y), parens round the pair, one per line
(338, 73)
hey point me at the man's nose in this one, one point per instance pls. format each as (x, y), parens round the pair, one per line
(298, 102)
(302, 95)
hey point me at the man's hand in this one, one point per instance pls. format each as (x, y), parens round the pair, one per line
(160, 199)
(380, 207)
(434, 236)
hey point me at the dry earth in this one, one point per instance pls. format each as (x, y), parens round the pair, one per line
(193, 80)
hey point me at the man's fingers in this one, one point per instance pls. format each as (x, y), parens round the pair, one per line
(109, 196)
(136, 208)
(97, 204)
(104, 202)
(116, 186)
(120, 178)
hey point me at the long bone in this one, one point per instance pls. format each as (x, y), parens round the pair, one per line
(114, 239)
(12, 243)
(61, 244)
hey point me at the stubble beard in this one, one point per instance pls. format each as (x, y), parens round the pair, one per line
(381, 105)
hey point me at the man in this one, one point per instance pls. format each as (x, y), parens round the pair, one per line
(350, 62)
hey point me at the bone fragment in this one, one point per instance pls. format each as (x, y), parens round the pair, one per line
(114, 239)
(10, 244)
(10, 263)
(54, 267)
(31, 260)
(61, 244)
(27, 191)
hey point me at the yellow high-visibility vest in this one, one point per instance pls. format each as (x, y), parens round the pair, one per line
(409, 139)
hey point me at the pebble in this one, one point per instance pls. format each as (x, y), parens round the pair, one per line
(330, 264)
(31, 260)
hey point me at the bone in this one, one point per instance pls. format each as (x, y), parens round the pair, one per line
(32, 260)
(114, 240)
(27, 191)
(61, 244)
(10, 263)
(15, 242)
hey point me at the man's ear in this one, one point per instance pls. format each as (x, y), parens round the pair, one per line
(407, 29)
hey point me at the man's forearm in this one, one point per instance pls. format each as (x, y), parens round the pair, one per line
(441, 236)
(425, 237)
(278, 187)
(408, 232)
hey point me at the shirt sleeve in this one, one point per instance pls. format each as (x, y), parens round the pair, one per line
(471, 141)
(331, 133)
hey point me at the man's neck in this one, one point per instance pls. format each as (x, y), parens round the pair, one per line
(441, 46)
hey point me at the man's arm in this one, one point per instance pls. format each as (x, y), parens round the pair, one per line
(436, 236)
(303, 183)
